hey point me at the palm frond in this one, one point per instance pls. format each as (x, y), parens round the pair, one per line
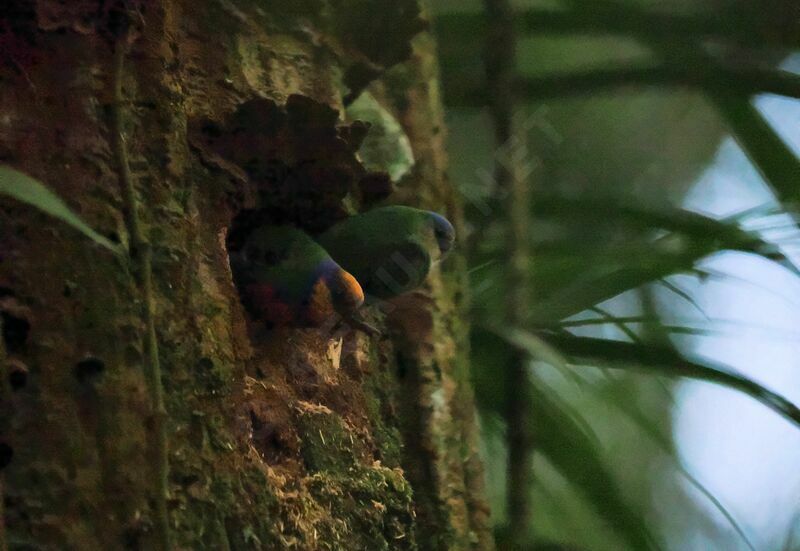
(666, 361)
(577, 457)
(27, 190)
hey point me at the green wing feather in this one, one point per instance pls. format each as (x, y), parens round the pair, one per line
(385, 249)
(285, 256)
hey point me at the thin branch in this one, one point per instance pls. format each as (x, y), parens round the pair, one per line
(512, 185)
(664, 360)
(715, 501)
(769, 153)
(4, 392)
(720, 26)
(709, 78)
(3, 537)
(619, 323)
(141, 252)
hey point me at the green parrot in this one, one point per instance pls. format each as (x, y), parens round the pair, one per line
(287, 279)
(389, 250)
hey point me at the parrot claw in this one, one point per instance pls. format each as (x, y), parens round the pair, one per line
(361, 325)
(367, 328)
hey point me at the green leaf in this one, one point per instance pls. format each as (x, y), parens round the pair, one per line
(386, 146)
(588, 290)
(683, 294)
(765, 148)
(621, 401)
(559, 436)
(574, 275)
(703, 233)
(618, 323)
(575, 455)
(583, 442)
(27, 190)
(534, 345)
(664, 360)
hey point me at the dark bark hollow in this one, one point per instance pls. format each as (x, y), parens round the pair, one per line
(297, 439)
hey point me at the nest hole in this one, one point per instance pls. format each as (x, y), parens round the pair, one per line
(15, 332)
(299, 159)
(272, 440)
(88, 370)
(294, 164)
(6, 455)
(17, 376)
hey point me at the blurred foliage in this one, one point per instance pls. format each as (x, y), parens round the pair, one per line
(624, 104)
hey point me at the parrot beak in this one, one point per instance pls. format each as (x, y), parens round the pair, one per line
(445, 244)
(348, 293)
(444, 232)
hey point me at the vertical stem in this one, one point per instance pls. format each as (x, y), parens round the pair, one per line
(3, 396)
(3, 537)
(141, 251)
(512, 185)
(766, 149)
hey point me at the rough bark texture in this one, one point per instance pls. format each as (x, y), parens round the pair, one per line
(291, 439)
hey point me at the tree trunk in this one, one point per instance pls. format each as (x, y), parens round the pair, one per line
(282, 439)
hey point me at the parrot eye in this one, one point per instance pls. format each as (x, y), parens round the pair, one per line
(270, 257)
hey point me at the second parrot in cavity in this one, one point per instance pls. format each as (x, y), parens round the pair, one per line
(389, 250)
(287, 279)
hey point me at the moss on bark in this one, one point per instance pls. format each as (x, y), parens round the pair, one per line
(295, 439)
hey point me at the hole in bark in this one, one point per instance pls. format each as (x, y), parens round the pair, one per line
(6, 454)
(17, 34)
(68, 290)
(15, 331)
(211, 129)
(17, 376)
(119, 17)
(295, 164)
(132, 538)
(188, 480)
(211, 376)
(402, 366)
(89, 369)
(299, 158)
(268, 439)
(6, 292)
(375, 187)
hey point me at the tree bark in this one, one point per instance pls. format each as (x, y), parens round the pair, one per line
(283, 439)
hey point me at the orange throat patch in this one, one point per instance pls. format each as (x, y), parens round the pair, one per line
(320, 304)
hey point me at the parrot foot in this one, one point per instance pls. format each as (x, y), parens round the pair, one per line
(359, 324)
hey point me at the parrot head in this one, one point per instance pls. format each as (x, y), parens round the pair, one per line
(443, 232)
